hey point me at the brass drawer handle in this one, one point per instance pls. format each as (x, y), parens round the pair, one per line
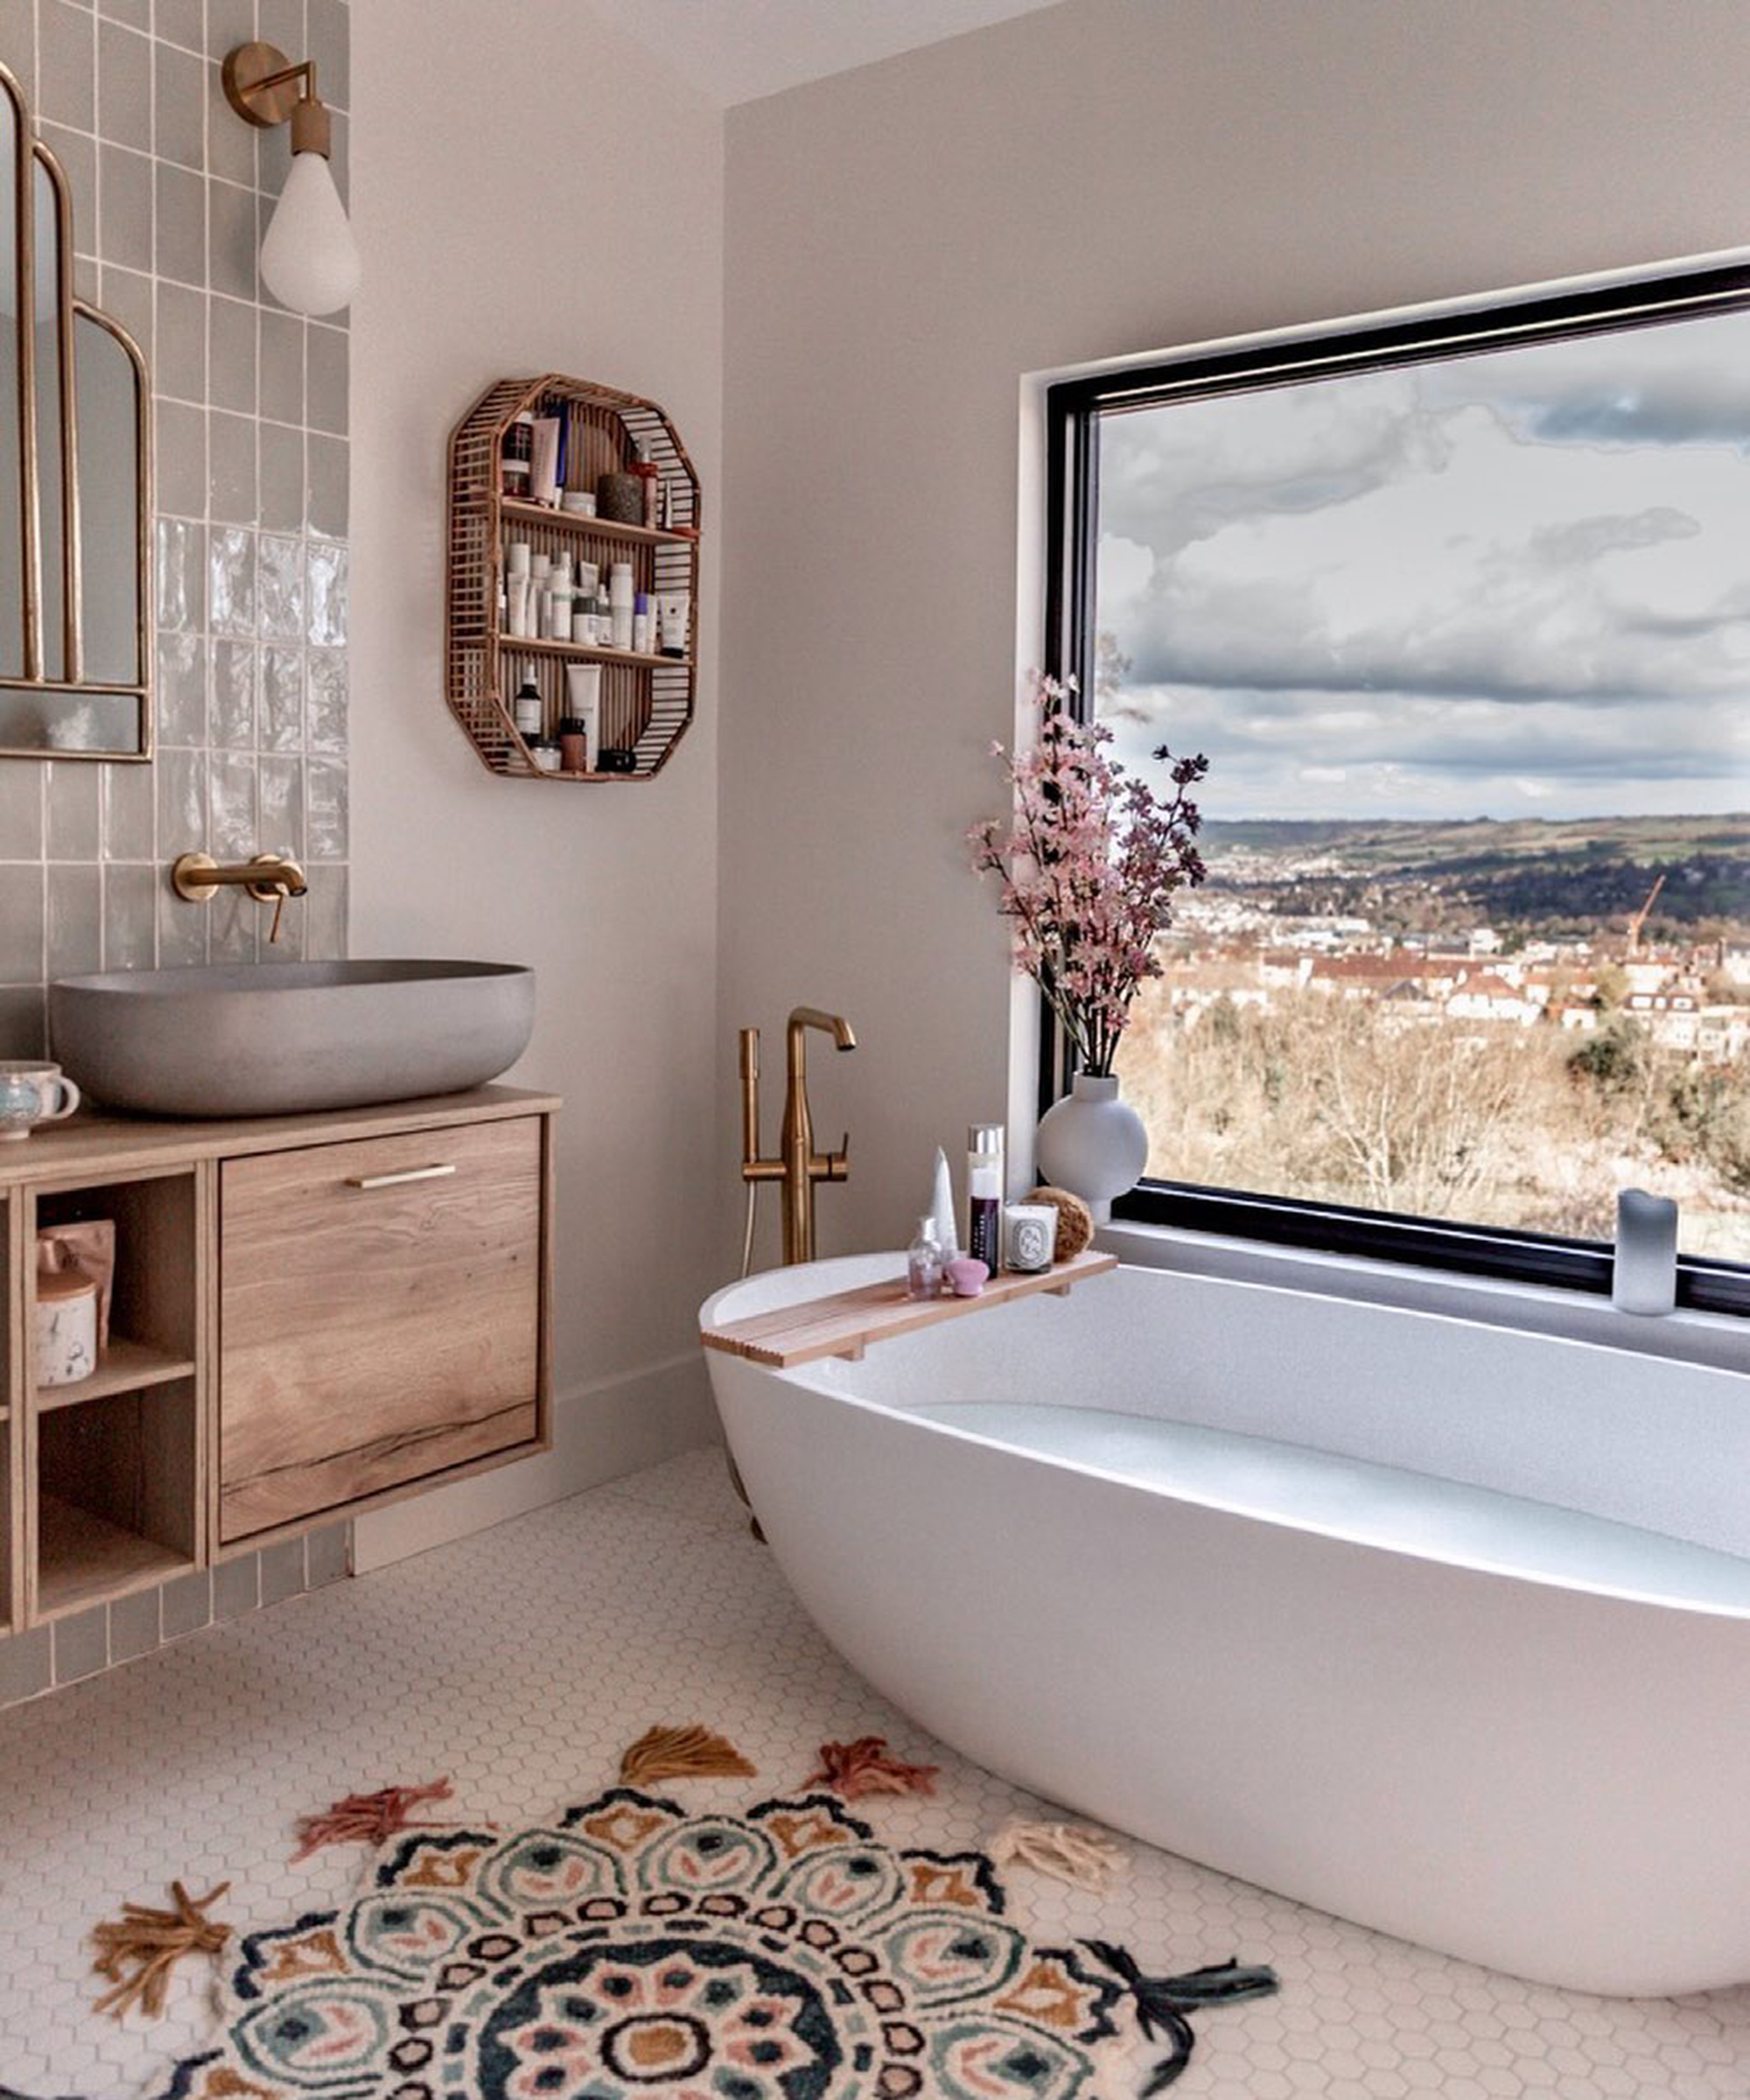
(407, 1173)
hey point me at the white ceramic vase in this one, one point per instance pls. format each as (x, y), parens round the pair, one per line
(1093, 1143)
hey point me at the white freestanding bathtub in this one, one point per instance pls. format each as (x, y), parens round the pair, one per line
(1441, 1627)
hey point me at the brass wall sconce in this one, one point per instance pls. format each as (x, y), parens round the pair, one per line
(310, 260)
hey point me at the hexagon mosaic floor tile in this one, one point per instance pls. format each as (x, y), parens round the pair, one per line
(521, 1662)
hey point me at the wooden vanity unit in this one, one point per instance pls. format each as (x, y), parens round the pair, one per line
(312, 1315)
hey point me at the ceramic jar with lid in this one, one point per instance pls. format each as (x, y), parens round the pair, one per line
(67, 1318)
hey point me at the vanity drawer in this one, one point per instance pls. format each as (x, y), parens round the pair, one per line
(380, 1316)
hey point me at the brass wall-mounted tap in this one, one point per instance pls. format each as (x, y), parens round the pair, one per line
(799, 1167)
(269, 879)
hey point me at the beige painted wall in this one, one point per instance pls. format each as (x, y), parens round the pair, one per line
(1104, 178)
(534, 192)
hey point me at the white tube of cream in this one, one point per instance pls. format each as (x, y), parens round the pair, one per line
(543, 476)
(672, 610)
(583, 699)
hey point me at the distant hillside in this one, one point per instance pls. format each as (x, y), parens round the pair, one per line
(1552, 874)
(1407, 844)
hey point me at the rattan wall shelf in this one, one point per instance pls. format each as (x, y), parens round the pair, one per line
(647, 700)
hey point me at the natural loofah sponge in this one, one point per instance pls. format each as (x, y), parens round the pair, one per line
(1075, 1221)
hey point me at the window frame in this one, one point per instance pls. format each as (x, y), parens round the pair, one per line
(1073, 408)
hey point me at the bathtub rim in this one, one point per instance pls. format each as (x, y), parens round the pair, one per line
(846, 1272)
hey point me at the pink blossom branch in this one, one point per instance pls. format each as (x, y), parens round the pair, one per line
(1089, 863)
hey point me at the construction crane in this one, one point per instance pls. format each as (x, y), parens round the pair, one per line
(1638, 920)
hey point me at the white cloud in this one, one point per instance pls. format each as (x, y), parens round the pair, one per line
(1429, 583)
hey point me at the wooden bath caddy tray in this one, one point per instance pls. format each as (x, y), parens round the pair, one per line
(845, 1323)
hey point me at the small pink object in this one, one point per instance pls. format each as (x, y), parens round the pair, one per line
(967, 1276)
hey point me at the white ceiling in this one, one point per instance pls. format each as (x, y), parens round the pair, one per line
(736, 50)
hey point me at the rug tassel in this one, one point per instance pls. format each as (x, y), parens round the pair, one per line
(1163, 2001)
(694, 1752)
(369, 1818)
(1068, 1852)
(137, 1951)
(852, 1770)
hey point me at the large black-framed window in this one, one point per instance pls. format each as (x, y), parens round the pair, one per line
(1073, 411)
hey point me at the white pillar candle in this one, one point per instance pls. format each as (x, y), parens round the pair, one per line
(1644, 1276)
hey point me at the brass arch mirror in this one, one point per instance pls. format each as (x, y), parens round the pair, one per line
(75, 500)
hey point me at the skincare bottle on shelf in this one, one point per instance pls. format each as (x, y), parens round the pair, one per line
(519, 451)
(640, 625)
(583, 711)
(672, 611)
(603, 636)
(651, 482)
(545, 753)
(620, 596)
(548, 463)
(924, 1262)
(984, 1194)
(526, 709)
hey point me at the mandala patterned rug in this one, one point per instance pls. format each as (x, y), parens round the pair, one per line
(633, 1949)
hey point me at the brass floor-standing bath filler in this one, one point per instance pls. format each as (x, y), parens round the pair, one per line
(799, 1167)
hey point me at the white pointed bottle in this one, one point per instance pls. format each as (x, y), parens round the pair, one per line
(941, 1208)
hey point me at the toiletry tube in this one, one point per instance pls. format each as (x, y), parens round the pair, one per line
(640, 625)
(516, 604)
(583, 704)
(673, 610)
(538, 566)
(516, 557)
(543, 480)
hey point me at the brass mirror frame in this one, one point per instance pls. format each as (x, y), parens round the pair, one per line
(31, 154)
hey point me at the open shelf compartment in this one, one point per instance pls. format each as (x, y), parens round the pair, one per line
(114, 1460)
(116, 1501)
(12, 1433)
(647, 700)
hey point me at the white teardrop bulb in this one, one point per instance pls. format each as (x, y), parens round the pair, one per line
(310, 260)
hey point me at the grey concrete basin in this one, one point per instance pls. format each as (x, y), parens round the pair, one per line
(276, 1039)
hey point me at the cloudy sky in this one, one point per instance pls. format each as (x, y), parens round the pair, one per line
(1514, 585)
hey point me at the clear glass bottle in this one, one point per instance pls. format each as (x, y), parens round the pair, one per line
(924, 1262)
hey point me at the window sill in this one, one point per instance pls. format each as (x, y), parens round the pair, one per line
(1713, 1338)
